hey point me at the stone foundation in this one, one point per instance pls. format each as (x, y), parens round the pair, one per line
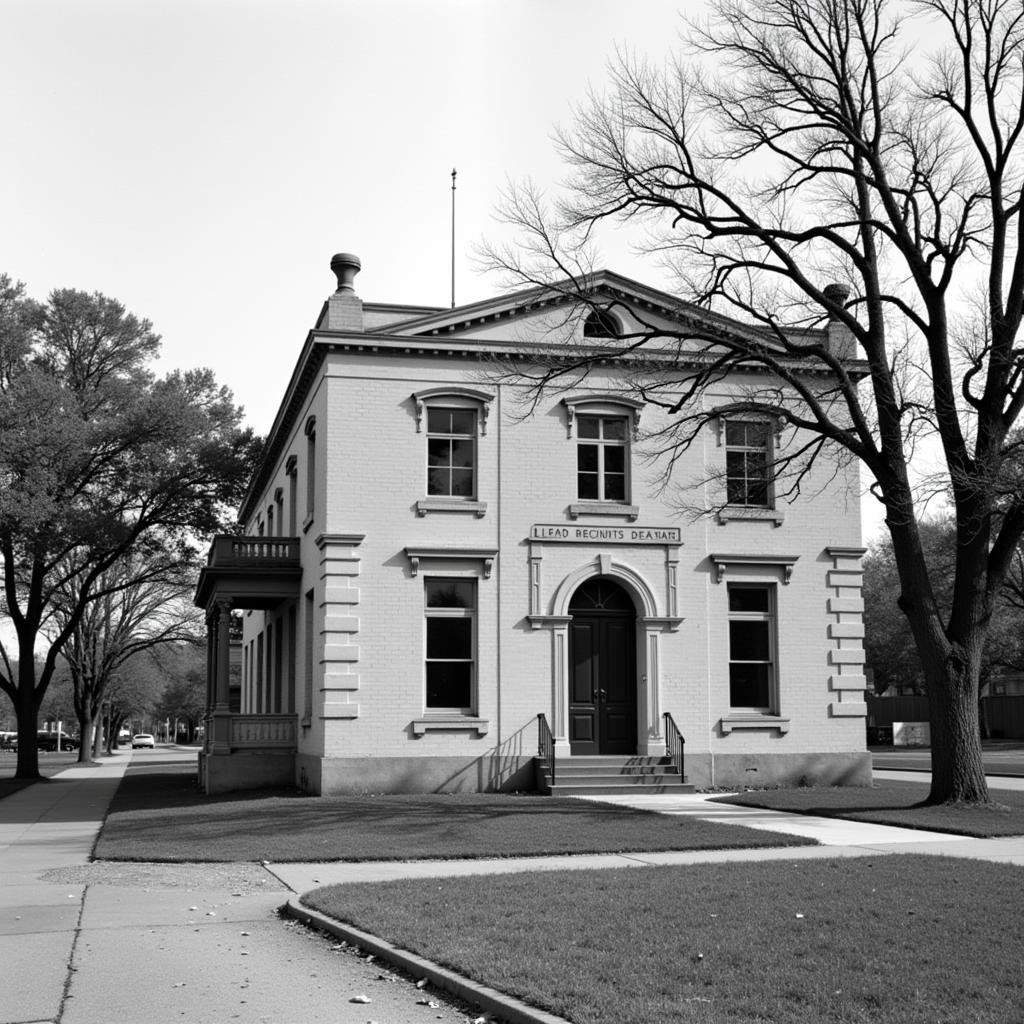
(756, 771)
(226, 773)
(486, 774)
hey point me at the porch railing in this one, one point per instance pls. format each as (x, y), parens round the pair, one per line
(231, 551)
(546, 747)
(262, 732)
(674, 743)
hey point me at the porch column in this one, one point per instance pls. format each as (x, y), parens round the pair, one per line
(211, 668)
(220, 719)
(223, 653)
(211, 641)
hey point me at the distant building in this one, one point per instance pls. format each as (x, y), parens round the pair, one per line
(427, 566)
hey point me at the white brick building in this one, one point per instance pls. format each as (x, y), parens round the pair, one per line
(429, 564)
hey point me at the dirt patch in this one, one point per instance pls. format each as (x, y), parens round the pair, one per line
(240, 879)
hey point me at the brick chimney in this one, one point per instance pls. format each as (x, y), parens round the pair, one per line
(841, 342)
(344, 307)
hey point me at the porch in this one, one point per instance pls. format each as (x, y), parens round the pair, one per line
(247, 748)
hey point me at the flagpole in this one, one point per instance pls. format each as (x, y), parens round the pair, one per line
(453, 237)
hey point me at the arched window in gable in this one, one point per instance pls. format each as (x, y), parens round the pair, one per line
(602, 324)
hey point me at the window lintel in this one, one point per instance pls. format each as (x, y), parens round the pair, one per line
(784, 562)
(460, 397)
(602, 405)
(483, 556)
(751, 412)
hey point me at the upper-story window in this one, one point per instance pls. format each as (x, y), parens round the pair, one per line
(748, 458)
(603, 427)
(455, 421)
(451, 452)
(292, 470)
(310, 470)
(601, 450)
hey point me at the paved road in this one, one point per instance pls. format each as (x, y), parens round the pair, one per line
(1005, 759)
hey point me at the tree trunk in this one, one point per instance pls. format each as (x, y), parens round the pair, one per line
(958, 770)
(85, 737)
(97, 739)
(27, 710)
(951, 657)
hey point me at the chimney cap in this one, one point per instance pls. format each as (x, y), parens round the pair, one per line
(836, 293)
(345, 266)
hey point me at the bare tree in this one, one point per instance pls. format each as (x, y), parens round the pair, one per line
(808, 161)
(140, 603)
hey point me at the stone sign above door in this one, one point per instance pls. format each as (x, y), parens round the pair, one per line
(607, 534)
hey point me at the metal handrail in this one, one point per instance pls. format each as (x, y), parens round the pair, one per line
(546, 747)
(674, 743)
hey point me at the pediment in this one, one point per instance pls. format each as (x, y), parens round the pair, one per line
(555, 315)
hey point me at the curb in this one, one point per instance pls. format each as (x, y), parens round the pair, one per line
(489, 1000)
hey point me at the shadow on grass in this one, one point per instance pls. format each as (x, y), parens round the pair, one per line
(895, 803)
(159, 814)
(155, 786)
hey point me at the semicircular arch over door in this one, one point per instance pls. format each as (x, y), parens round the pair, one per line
(602, 662)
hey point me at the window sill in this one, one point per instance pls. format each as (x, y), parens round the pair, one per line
(729, 723)
(427, 505)
(750, 514)
(603, 508)
(450, 723)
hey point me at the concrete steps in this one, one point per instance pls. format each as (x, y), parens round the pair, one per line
(610, 775)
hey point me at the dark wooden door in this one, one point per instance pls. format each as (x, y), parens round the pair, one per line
(602, 696)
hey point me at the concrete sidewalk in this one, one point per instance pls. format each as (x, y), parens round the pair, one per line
(45, 827)
(82, 943)
(838, 838)
(85, 942)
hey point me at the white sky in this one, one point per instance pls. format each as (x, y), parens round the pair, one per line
(202, 160)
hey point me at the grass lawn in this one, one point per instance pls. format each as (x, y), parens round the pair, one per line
(896, 803)
(158, 815)
(49, 765)
(913, 939)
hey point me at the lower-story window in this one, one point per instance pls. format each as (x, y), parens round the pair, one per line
(450, 610)
(751, 647)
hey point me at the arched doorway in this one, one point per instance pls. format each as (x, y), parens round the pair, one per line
(602, 659)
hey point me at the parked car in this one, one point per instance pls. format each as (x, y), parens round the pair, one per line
(143, 739)
(49, 741)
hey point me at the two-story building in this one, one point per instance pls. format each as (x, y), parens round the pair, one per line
(444, 573)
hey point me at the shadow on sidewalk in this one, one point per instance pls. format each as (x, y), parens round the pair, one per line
(59, 800)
